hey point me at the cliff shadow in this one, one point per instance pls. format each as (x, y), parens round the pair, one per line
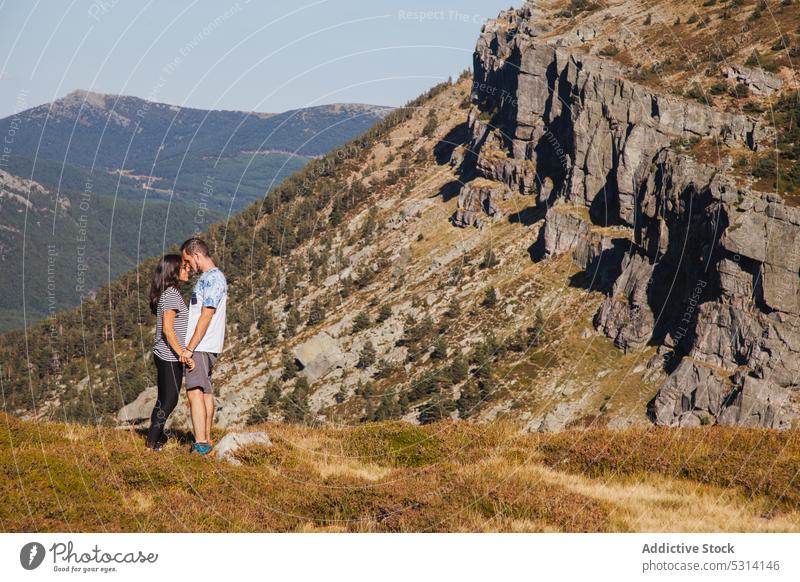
(444, 148)
(552, 152)
(449, 190)
(528, 216)
(605, 208)
(537, 250)
(604, 269)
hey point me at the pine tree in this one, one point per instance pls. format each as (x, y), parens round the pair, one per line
(292, 322)
(490, 298)
(369, 224)
(290, 284)
(295, 406)
(360, 322)
(267, 326)
(459, 368)
(289, 365)
(388, 408)
(439, 351)
(469, 400)
(453, 309)
(384, 313)
(369, 411)
(430, 125)
(367, 356)
(489, 259)
(316, 313)
(347, 286)
(337, 213)
(439, 407)
(402, 403)
(260, 411)
(536, 330)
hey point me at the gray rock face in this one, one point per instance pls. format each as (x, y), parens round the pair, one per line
(716, 281)
(709, 270)
(691, 391)
(228, 445)
(563, 230)
(476, 199)
(758, 404)
(626, 316)
(559, 114)
(758, 81)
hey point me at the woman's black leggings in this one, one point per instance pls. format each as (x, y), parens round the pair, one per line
(170, 376)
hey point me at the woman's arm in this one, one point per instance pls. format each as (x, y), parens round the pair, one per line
(168, 326)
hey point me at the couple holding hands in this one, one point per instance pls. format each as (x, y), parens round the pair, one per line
(187, 339)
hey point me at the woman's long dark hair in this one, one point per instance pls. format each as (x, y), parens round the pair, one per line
(165, 275)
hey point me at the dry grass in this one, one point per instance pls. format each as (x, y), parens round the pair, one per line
(401, 477)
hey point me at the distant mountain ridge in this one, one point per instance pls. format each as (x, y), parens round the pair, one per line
(171, 149)
(253, 130)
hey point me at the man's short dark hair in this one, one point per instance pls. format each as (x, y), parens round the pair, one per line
(195, 246)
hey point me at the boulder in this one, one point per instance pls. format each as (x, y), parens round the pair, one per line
(563, 229)
(627, 316)
(228, 445)
(140, 409)
(759, 404)
(318, 356)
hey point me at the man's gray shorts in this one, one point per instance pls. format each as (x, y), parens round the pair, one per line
(200, 375)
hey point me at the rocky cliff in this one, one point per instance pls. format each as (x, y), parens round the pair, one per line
(693, 260)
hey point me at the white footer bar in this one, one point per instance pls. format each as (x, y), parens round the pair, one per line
(402, 557)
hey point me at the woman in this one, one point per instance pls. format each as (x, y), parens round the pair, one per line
(172, 318)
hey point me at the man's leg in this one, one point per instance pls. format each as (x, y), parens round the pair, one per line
(198, 406)
(209, 404)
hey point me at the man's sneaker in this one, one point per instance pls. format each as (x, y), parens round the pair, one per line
(201, 448)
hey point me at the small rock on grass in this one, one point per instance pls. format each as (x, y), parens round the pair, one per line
(227, 447)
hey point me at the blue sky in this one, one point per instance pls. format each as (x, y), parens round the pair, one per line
(259, 55)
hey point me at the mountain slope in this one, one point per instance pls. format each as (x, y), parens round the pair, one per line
(527, 245)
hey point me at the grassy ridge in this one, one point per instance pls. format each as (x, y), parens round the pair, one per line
(397, 477)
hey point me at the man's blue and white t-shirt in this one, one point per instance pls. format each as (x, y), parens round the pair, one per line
(211, 290)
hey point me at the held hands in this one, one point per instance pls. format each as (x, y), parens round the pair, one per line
(186, 358)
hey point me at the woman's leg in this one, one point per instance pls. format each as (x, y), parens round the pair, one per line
(170, 375)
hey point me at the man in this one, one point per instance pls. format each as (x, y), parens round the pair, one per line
(204, 338)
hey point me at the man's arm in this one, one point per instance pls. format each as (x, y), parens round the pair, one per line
(202, 326)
